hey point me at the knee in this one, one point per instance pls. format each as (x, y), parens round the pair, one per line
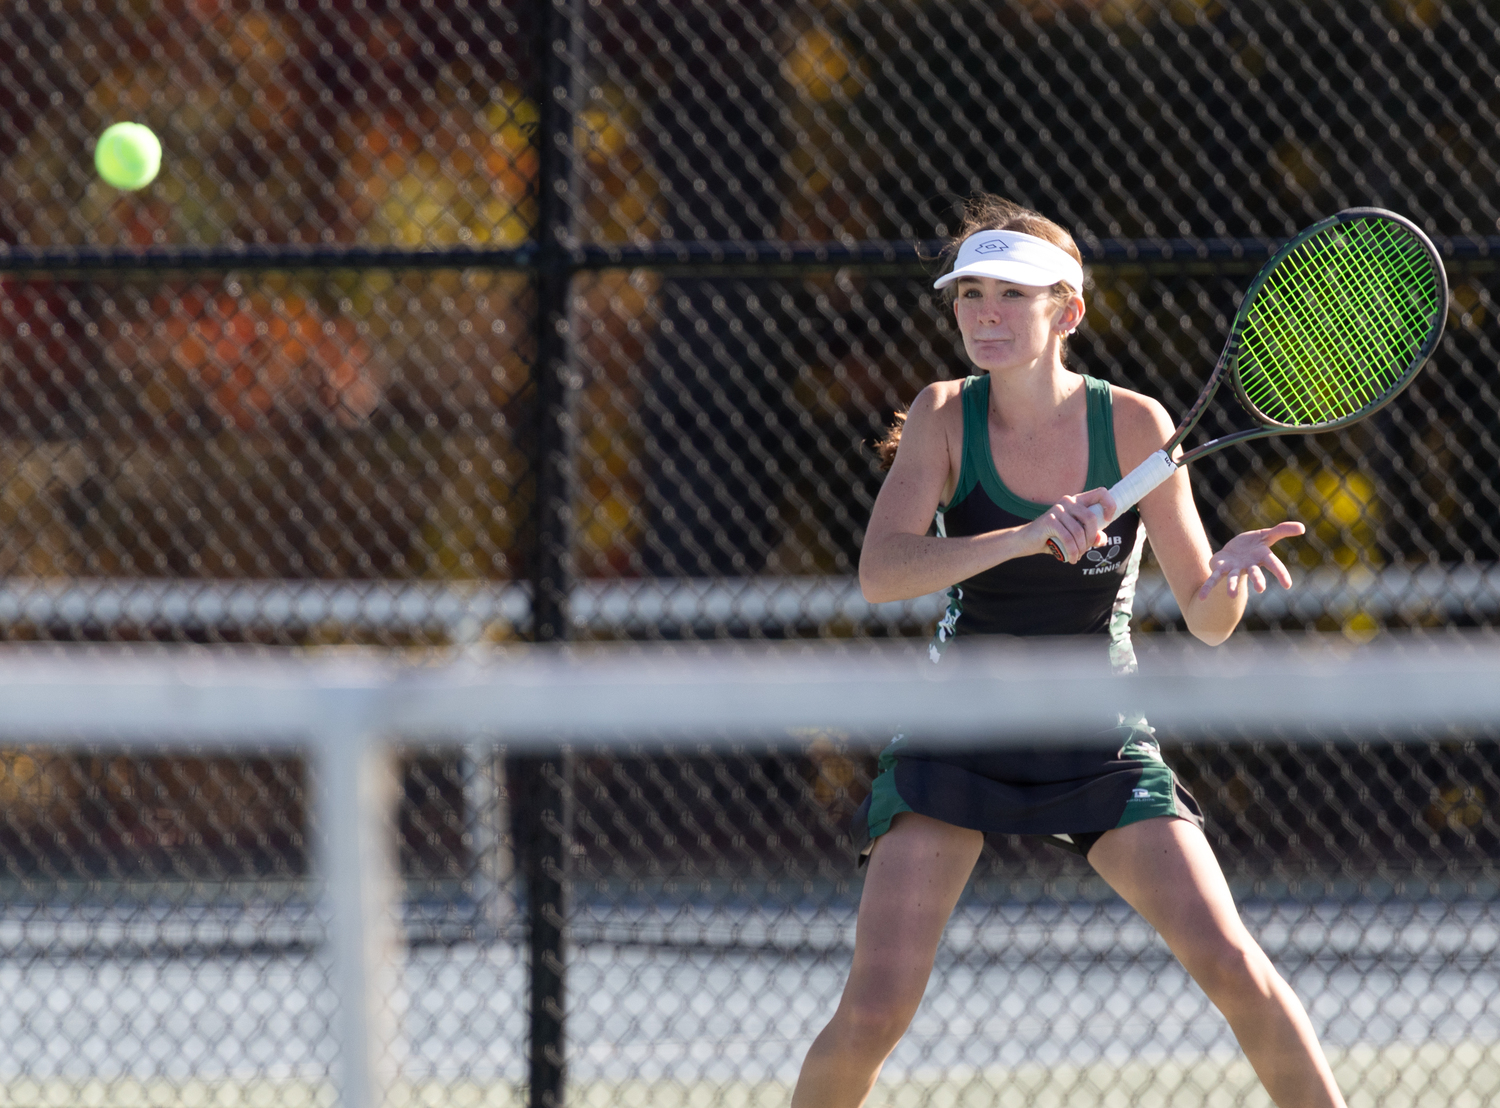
(1230, 968)
(872, 1024)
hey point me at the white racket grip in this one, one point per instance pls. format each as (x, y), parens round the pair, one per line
(1128, 491)
(1141, 480)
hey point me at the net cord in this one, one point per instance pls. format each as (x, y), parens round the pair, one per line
(696, 697)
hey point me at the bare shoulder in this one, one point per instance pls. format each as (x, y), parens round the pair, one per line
(937, 411)
(923, 471)
(1142, 426)
(939, 396)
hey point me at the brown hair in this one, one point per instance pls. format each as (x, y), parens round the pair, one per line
(985, 212)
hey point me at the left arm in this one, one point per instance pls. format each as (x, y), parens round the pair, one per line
(1192, 569)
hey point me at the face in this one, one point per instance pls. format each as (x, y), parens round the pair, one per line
(1007, 326)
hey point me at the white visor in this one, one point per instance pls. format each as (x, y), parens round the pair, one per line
(1014, 257)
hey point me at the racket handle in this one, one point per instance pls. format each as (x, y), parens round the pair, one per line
(1128, 491)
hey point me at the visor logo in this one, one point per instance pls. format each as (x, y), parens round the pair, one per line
(993, 246)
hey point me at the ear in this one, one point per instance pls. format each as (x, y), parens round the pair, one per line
(1070, 315)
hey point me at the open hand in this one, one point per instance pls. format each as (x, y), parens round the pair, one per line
(1249, 556)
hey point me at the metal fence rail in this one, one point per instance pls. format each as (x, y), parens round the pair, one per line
(465, 612)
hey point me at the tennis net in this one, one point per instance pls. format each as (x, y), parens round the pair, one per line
(621, 875)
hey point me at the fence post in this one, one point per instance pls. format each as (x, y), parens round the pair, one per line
(355, 786)
(551, 573)
(538, 785)
(486, 821)
(539, 805)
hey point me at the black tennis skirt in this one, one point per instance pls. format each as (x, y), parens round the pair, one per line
(1070, 797)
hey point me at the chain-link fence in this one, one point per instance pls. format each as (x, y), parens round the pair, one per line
(353, 457)
(461, 323)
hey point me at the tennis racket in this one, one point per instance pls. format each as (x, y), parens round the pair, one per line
(1333, 327)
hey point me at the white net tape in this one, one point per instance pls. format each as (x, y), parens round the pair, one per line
(707, 693)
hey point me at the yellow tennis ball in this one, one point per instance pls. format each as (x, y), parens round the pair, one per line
(128, 156)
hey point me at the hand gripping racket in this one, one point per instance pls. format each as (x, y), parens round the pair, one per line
(1333, 327)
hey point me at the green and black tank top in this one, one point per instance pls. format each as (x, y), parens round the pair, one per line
(1037, 594)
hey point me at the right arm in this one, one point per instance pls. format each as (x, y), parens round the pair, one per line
(899, 561)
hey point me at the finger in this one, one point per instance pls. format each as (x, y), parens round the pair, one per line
(1075, 540)
(1257, 579)
(1288, 529)
(1234, 583)
(1085, 524)
(1093, 532)
(1278, 570)
(1094, 519)
(1100, 499)
(1208, 586)
(1090, 517)
(1064, 534)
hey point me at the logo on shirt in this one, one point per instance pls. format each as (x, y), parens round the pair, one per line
(1140, 794)
(947, 626)
(1105, 559)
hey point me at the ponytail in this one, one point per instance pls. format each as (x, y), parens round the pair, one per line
(885, 446)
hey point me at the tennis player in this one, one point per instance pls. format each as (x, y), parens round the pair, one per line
(1004, 461)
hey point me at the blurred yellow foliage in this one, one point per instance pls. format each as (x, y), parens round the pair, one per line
(613, 312)
(821, 65)
(1116, 12)
(1419, 13)
(33, 783)
(1467, 306)
(1340, 510)
(1457, 808)
(835, 776)
(462, 183)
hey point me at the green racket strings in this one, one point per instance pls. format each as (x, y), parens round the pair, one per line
(1338, 323)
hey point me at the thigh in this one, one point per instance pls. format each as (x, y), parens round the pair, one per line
(1165, 870)
(915, 875)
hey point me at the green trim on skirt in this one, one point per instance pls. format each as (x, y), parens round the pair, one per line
(1117, 779)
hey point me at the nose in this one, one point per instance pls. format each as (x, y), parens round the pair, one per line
(989, 310)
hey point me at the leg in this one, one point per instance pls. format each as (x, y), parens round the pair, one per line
(1166, 870)
(916, 872)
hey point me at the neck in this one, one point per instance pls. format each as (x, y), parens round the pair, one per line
(1036, 394)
